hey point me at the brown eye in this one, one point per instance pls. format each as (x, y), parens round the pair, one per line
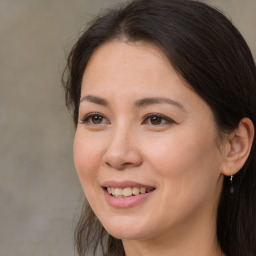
(97, 119)
(94, 119)
(155, 120)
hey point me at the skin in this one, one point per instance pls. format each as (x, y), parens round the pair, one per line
(179, 155)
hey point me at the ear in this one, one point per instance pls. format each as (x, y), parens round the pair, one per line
(238, 147)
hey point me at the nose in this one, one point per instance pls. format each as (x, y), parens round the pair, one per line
(122, 151)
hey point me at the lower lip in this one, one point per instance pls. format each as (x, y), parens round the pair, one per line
(126, 202)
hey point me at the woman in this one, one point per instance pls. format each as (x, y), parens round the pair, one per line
(163, 98)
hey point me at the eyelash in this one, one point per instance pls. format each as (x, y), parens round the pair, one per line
(166, 119)
(87, 119)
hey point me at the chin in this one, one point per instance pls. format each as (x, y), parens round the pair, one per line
(125, 228)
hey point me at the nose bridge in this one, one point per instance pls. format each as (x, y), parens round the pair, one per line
(122, 150)
(121, 136)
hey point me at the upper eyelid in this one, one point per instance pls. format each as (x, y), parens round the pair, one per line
(88, 115)
(93, 113)
(159, 115)
(155, 114)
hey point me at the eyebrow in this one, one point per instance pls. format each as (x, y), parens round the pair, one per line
(96, 100)
(139, 103)
(158, 100)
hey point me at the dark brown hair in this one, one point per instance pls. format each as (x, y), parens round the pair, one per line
(211, 55)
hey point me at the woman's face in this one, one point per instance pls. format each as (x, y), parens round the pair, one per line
(146, 146)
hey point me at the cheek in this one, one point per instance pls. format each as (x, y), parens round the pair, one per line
(186, 163)
(185, 148)
(187, 172)
(87, 158)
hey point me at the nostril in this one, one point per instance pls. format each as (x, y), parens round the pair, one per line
(108, 164)
(118, 166)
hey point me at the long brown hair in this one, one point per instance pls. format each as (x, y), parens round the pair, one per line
(211, 55)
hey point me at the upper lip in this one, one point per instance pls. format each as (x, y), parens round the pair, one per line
(124, 184)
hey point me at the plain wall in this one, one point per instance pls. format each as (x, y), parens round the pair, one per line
(40, 194)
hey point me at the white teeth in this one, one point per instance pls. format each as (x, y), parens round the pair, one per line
(126, 192)
(118, 192)
(142, 190)
(135, 191)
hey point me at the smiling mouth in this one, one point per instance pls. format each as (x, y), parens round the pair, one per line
(128, 191)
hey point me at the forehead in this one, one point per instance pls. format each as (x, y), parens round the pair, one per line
(139, 49)
(120, 68)
(128, 64)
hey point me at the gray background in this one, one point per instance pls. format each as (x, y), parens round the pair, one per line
(40, 195)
